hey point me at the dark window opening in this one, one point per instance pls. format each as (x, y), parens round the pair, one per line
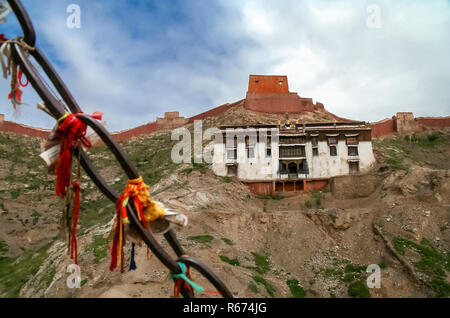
(292, 152)
(353, 166)
(352, 151)
(268, 152)
(314, 140)
(315, 151)
(232, 171)
(282, 168)
(303, 167)
(292, 168)
(250, 153)
(333, 151)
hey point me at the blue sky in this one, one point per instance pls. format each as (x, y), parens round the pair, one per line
(134, 60)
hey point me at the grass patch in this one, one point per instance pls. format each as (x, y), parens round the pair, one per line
(233, 261)
(278, 197)
(317, 197)
(226, 179)
(201, 238)
(350, 268)
(227, 241)
(396, 163)
(297, 290)
(96, 212)
(15, 272)
(358, 289)
(432, 262)
(269, 287)
(3, 247)
(98, 247)
(332, 218)
(202, 167)
(252, 286)
(262, 263)
(47, 278)
(15, 193)
(35, 215)
(308, 204)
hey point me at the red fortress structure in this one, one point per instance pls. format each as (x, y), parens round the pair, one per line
(270, 94)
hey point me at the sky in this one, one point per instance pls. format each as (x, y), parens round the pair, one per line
(135, 60)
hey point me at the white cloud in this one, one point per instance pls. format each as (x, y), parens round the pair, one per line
(134, 63)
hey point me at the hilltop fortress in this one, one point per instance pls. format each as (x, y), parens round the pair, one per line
(268, 95)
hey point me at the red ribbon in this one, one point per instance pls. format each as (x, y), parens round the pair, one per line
(20, 79)
(71, 132)
(76, 212)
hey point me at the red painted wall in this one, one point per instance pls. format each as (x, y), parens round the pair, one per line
(435, 122)
(270, 94)
(268, 84)
(383, 128)
(140, 130)
(11, 127)
(314, 185)
(260, 188)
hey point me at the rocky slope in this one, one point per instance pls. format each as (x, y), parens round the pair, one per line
(314, 245)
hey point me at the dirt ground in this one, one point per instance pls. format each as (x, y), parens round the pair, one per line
(304, 244)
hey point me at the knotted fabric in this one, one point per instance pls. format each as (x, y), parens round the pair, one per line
(71, 133)
(147, 211)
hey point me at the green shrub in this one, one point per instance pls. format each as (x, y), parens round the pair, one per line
(226, 179)
(201, 238)
(253, 287)
(269, 288)
(358, 290)
(227, 241)
(297, 290)
(3, 247)
(262, 263)
(98, 247)
(233, 262)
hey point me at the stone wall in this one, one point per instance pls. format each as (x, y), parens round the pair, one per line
(353, 186)
(405, 123)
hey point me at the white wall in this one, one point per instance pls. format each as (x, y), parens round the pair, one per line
(321, 166)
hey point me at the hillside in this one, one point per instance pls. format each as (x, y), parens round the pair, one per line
(313, 245)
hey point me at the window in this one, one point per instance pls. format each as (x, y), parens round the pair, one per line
(333, 140)
(353, 166)
(292, 140)
(314, 140)
(352, 140)
(292, 152)
(231, 142)
(333, 151)
(303, 166)
(352, 151)
(232, 170)
(251, 152)
(315, 151)
(268, 152)
(232, 154)
(250, 142)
